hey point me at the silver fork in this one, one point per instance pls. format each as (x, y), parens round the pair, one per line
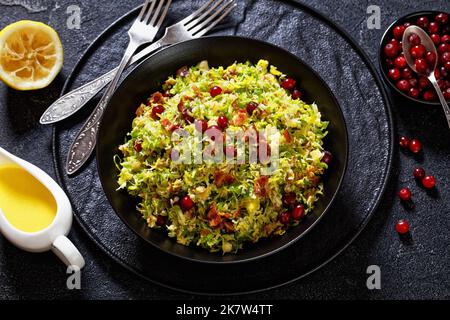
(143, 30)
(74, 100)
(193, 26)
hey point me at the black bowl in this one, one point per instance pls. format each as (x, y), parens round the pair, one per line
(147, 78)
(387, 36)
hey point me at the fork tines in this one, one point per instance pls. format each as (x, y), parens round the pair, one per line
(154, 9)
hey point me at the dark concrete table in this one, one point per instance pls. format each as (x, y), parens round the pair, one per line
(418, 270)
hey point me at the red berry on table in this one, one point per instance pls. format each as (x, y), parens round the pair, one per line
(431, 58)
(296, 94)
(442, 18)
(414, 39)
(423, 22)
(222, 122)
(394, 74)
(390, 50)
(419, 173)
(250, 107)
(215, 91)
(156, 111)
(404, 142)
(186, 203)
(398, 32)
(403, 85)
(298, 212)
(421, 65)
(429, 182)
(288, 83)
(433, 27)
(429, 95)
(289, 199)
(327, 157)
(414, 93)
(285, 217)
(201, 125)
(404, 194)
(415, 146)
(417, 51)
(400, 62)
(435, 38)
(402, 227)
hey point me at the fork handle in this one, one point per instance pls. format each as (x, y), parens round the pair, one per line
(85, 140)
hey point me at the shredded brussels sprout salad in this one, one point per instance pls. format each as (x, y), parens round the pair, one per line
(220, 205)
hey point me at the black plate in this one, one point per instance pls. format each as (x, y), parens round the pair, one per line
(219, 51)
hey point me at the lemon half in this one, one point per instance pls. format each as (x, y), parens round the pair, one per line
(31, 55)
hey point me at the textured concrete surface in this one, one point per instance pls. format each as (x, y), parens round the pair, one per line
(416, 270)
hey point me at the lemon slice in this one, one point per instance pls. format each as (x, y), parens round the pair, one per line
(31, 55)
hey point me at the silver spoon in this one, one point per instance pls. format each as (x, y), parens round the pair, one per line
(429, 46)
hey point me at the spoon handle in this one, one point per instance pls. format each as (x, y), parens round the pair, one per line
(444, 104)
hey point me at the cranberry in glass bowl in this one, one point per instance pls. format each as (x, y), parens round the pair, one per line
(402, 79)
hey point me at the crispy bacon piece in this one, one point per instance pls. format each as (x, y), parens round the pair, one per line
(140, 110)
(213, 216)
(157, 98)
(222, 178)
(287, 136)
(229, 226)
(240, 118)
(261, 186)
(181, 106)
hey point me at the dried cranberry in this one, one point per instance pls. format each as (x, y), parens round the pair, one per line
(250, 107)
(186, 203)
(138, 146)
(215, 91)
(156, 111)
(298, 212)
(222, 122)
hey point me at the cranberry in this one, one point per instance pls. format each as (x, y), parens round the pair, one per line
(435, 38)
(298, 212)
(447, 66)
(156, 111)
(437, 73)
(400, 62)
(431, 58)
(403, 85)
(413, 82)
(433, 27)
(289, 199)
(389, 62)
(443, 47)
(327, 157)
(394, 74)
(296, 94)
(138, 146)
(213, 131)
(443, 71)
(429, 182)
(421, 65)
(230, 151)
(398, 31)
(250, 107)
(414, 93)
(288, 83)
(215, 91)
(414, 39)
(417, 51)
(390, 50)
(404, 194)
(407, 73)
(402, 227)
(423, 82)
(445, 57)
(445, 39)
(160, 220)
(187, 115)
(429, 95)
(447, 93)
(222, 122)
(285, 217)
(423, 22)
(419, 173)
(201, 125)
(186, 203)
(404, 142)
(415, 146)
(441, 18)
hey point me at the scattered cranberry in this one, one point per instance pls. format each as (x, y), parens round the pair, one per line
(402, 227)
(251, 107)
(222, 122)
(403, 85)
(156, 111)
(288, 83)
(415, 146)
(414, 39)
(433, 27)
(419, 173)
(429, 182)
(404, 142)
(400, 62)
(201, 125)
(421, 65)
(186, 203)
(138, 146)
(289, 199)
(298, 212)
(390, 50)
(327, 157)
(398, 32)
(404, 194)
(394, 74)
(423, 22)
(418, 51)
(285, 217)
(296, 94)
(215, 91)
(442, 18)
